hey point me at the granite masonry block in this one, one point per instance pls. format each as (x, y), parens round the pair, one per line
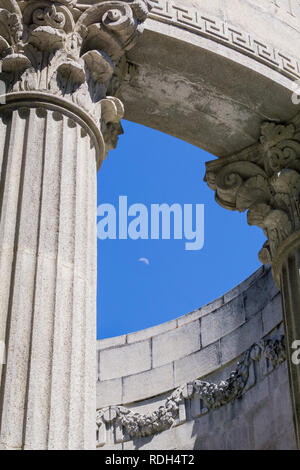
(221, 322)
(272, 314)
(236, 342)
(111, 342)
(175, 344)
(109, 392)
(258, 295)
(149, 332)
(196, 365)
(147, 384)
(125, 360)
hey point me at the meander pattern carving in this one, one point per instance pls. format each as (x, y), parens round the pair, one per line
(193, 19)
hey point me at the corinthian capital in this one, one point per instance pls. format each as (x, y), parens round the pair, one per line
(69, 51)
(264, 180)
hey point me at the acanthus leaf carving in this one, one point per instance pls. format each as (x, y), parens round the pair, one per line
(265, 181)
(56, 48)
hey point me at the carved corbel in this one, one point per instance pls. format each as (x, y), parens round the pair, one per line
(265, 181)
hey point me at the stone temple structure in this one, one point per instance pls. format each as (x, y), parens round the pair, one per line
(219, 74)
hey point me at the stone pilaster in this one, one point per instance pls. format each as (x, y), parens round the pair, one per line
(56, 127)
(264, 180)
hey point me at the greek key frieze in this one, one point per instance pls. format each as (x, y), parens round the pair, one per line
(192, 19)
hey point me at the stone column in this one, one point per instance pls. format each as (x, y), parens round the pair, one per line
(264, 180)
(56, 127)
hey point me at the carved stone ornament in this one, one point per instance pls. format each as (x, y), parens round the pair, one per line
(265, 180)
(212, 395)
(70, 51)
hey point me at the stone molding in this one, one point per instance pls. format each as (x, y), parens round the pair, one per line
(265, 180)
(70, 51)
(131, 425)
(191, 19)
(32, 100)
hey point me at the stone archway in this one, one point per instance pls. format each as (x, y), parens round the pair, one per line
(227, 69)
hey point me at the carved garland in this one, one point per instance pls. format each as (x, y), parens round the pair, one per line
(212, 395)
(265, 180)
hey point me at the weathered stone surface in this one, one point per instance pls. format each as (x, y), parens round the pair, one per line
(215, 396)
(229, 64)
(178, 418)
(197, 364)
(126, 360)
(151, 332)
(221, 322)
(172, 345)
(109, 392)
(57, 60)
(231, 59)
(236, 342)
(271, 314)
(111, 342)
(258, 295)
(189, 317)
(151, 383)
(48, 307)
(264, 180)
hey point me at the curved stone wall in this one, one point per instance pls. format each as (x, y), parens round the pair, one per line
(148, 396)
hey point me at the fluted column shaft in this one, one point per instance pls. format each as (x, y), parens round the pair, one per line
(59, 61)
(48, 274)
(286, 270)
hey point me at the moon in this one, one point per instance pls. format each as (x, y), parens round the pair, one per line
(144, 260)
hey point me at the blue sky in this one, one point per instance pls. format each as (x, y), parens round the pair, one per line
(151, 167)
